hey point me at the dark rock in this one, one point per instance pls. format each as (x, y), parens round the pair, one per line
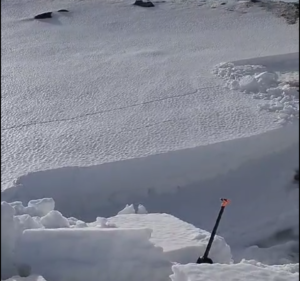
(143, 4)
(296, 177)
(63, 11)
(47, 15)
(24, 270)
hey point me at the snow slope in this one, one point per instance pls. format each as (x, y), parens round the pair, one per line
(111, 104)
(109, 81)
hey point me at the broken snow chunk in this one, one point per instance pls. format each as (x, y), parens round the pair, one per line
(129, 209)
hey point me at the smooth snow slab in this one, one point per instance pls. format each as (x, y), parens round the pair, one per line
(181, 242)
(110, 81)
(93, 254)
(233, 272)
(29, 278)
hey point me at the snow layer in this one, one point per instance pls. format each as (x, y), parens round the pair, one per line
(181, 241)
(109, 81)
(38, 207)
(219, 272)
(108, 254)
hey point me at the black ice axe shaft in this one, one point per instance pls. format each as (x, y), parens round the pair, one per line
(205, 258)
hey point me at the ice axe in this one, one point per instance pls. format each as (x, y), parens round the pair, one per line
(205, 258)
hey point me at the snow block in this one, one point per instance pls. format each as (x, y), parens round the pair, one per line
(42, 206)
(12, 227)
(54, 219)
(39, 207)
(93, 254)
(221, 272)
(181, 242)
(8, 240)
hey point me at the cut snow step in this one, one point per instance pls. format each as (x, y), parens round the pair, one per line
(93, 254)
(181, 241)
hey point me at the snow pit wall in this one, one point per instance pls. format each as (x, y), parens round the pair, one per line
(92, 254)
(105, 189)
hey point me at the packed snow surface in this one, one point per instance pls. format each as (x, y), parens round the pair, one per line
(177, 238)
(241, 271)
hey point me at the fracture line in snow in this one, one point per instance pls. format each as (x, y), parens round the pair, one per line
(104, 111)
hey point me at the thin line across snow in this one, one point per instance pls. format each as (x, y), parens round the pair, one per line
(104, 111)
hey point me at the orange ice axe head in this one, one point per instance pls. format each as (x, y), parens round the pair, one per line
(225, 202)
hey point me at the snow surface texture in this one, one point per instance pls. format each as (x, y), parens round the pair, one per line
(219, 272)
(109, 81)
(271, 83)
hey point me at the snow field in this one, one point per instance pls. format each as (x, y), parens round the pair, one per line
(110, 105)
(109, 81)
